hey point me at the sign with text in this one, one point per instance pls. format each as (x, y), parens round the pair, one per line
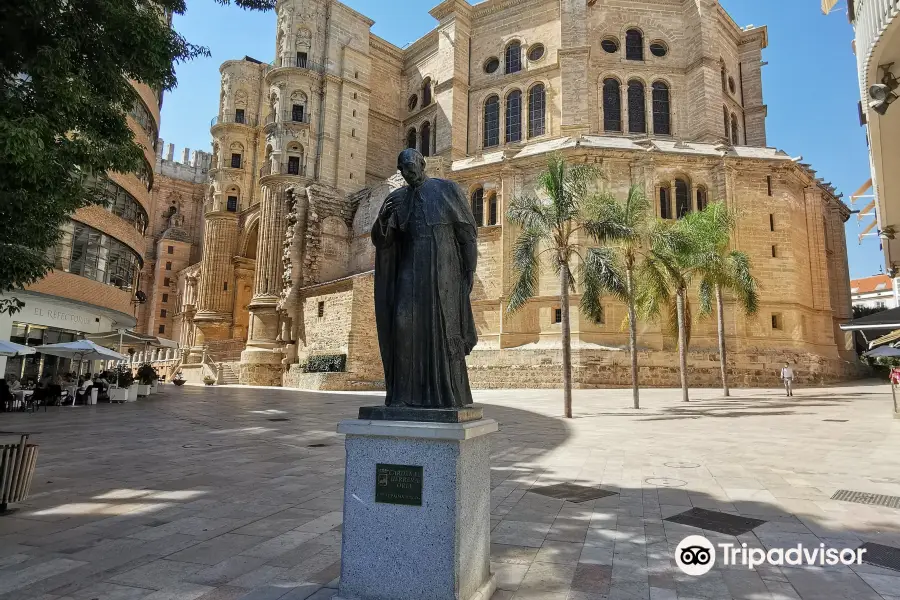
(398, 484)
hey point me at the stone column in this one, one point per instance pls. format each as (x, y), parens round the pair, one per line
(216, 291)
(261, 361)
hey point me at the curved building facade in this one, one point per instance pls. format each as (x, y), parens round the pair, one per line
(666, 95)
(98, 261)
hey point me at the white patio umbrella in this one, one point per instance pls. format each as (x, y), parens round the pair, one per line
(80, 350)
(11, 349)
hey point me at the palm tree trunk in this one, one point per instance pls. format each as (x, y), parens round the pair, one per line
(682, 338)
(566, 340)
(632, 337)
(720, 307)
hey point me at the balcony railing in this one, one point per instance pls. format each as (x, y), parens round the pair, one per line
(234, 117)
(286, 167)
(290, 116)
(871, 18)
(300, 63)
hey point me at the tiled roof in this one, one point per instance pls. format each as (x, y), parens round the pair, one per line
(869, 285)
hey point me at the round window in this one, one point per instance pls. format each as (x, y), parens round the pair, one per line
(658, 49)
(536, 52)
(492, 65)
(610, 45)
(413, 102)
(731, 85)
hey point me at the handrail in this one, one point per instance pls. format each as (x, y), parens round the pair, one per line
(283, 168)
(235, 117)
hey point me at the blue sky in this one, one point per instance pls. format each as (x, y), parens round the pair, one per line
(809, 85)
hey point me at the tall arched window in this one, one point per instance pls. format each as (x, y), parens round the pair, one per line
(491, 122)
(426, 92)
(513, 58)
(637, 107)
(665, 203)
(612, 105)
(537, 97)
(411, 138)
(724, 75)
(682, 198)
(702, 198)
(493, 214)
(662, 121)
(634, 45)
(725, 120)
(478, 206)
(514, 116)
(425, 139)
(735, 132)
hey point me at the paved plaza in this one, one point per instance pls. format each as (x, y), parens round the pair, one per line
(236, 494)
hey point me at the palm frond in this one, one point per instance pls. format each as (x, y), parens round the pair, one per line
(527, 268)
(600, 273)
(529, 212)
(706, 294)
(742, 283)
(654, 293)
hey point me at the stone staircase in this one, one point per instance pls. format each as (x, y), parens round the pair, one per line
(231, 373)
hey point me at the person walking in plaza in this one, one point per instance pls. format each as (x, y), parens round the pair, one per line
(787, 375)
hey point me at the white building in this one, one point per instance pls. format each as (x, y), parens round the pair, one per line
(878, 291)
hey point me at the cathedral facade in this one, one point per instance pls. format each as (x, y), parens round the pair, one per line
(665, 94)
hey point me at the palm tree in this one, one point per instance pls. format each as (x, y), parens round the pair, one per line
(626, 229)
(722, 270)
(554, 226)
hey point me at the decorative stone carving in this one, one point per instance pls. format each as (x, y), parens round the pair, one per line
(304, 39)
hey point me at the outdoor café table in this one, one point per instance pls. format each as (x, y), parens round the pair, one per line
(20, 396)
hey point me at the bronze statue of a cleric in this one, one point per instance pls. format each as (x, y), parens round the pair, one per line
(425, 240)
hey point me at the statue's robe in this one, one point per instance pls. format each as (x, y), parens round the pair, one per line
(425, 257)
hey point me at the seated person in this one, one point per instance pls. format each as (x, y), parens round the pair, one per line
(13, 382)
(6, 397)
(102, 385)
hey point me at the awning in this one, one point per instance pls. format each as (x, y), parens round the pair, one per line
(111, 338)
(886, 319)
(886, 339)
(827, 5)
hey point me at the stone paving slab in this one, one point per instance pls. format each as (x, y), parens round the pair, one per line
(196, 495)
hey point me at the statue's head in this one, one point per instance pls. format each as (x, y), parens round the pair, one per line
(411, 164)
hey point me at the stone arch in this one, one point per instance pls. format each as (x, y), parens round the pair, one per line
(250, 238)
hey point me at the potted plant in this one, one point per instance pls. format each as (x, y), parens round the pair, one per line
(145, 376)
(209, 380)
(178, 380)
(124, 380)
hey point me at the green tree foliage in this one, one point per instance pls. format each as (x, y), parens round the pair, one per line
(65, 67)
(557, 227)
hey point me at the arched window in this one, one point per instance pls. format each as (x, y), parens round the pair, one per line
(662, 122)
(295, 163)
(682, 198)
(634, 45)
(426, 92)
(478, 206)
(665, 203)
(514, 116)
(702, 198)
(411, 138)
(513, 58)
(725, 121)
(237, 153)
(735, 132)
(637, 107)
(724, 75)
(232, 199)
(491, 122)
(425, 139)
(493, 214)
(612, 105)
(537, 97)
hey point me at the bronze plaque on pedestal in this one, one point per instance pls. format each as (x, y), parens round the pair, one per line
(398, 484)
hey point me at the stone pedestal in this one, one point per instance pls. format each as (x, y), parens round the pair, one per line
(438, 550)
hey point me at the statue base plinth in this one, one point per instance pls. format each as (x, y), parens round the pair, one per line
(417, 501)
(423, 415)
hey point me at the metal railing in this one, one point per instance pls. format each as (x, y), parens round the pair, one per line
(871, 17)
(286, 167)
(289, 116)
(300, 63)
(234, 117)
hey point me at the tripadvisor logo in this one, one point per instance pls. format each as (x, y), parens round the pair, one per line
(696, 555)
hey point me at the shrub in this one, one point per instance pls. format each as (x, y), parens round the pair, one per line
(326, 363)
(124, 377)
(146, 374)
